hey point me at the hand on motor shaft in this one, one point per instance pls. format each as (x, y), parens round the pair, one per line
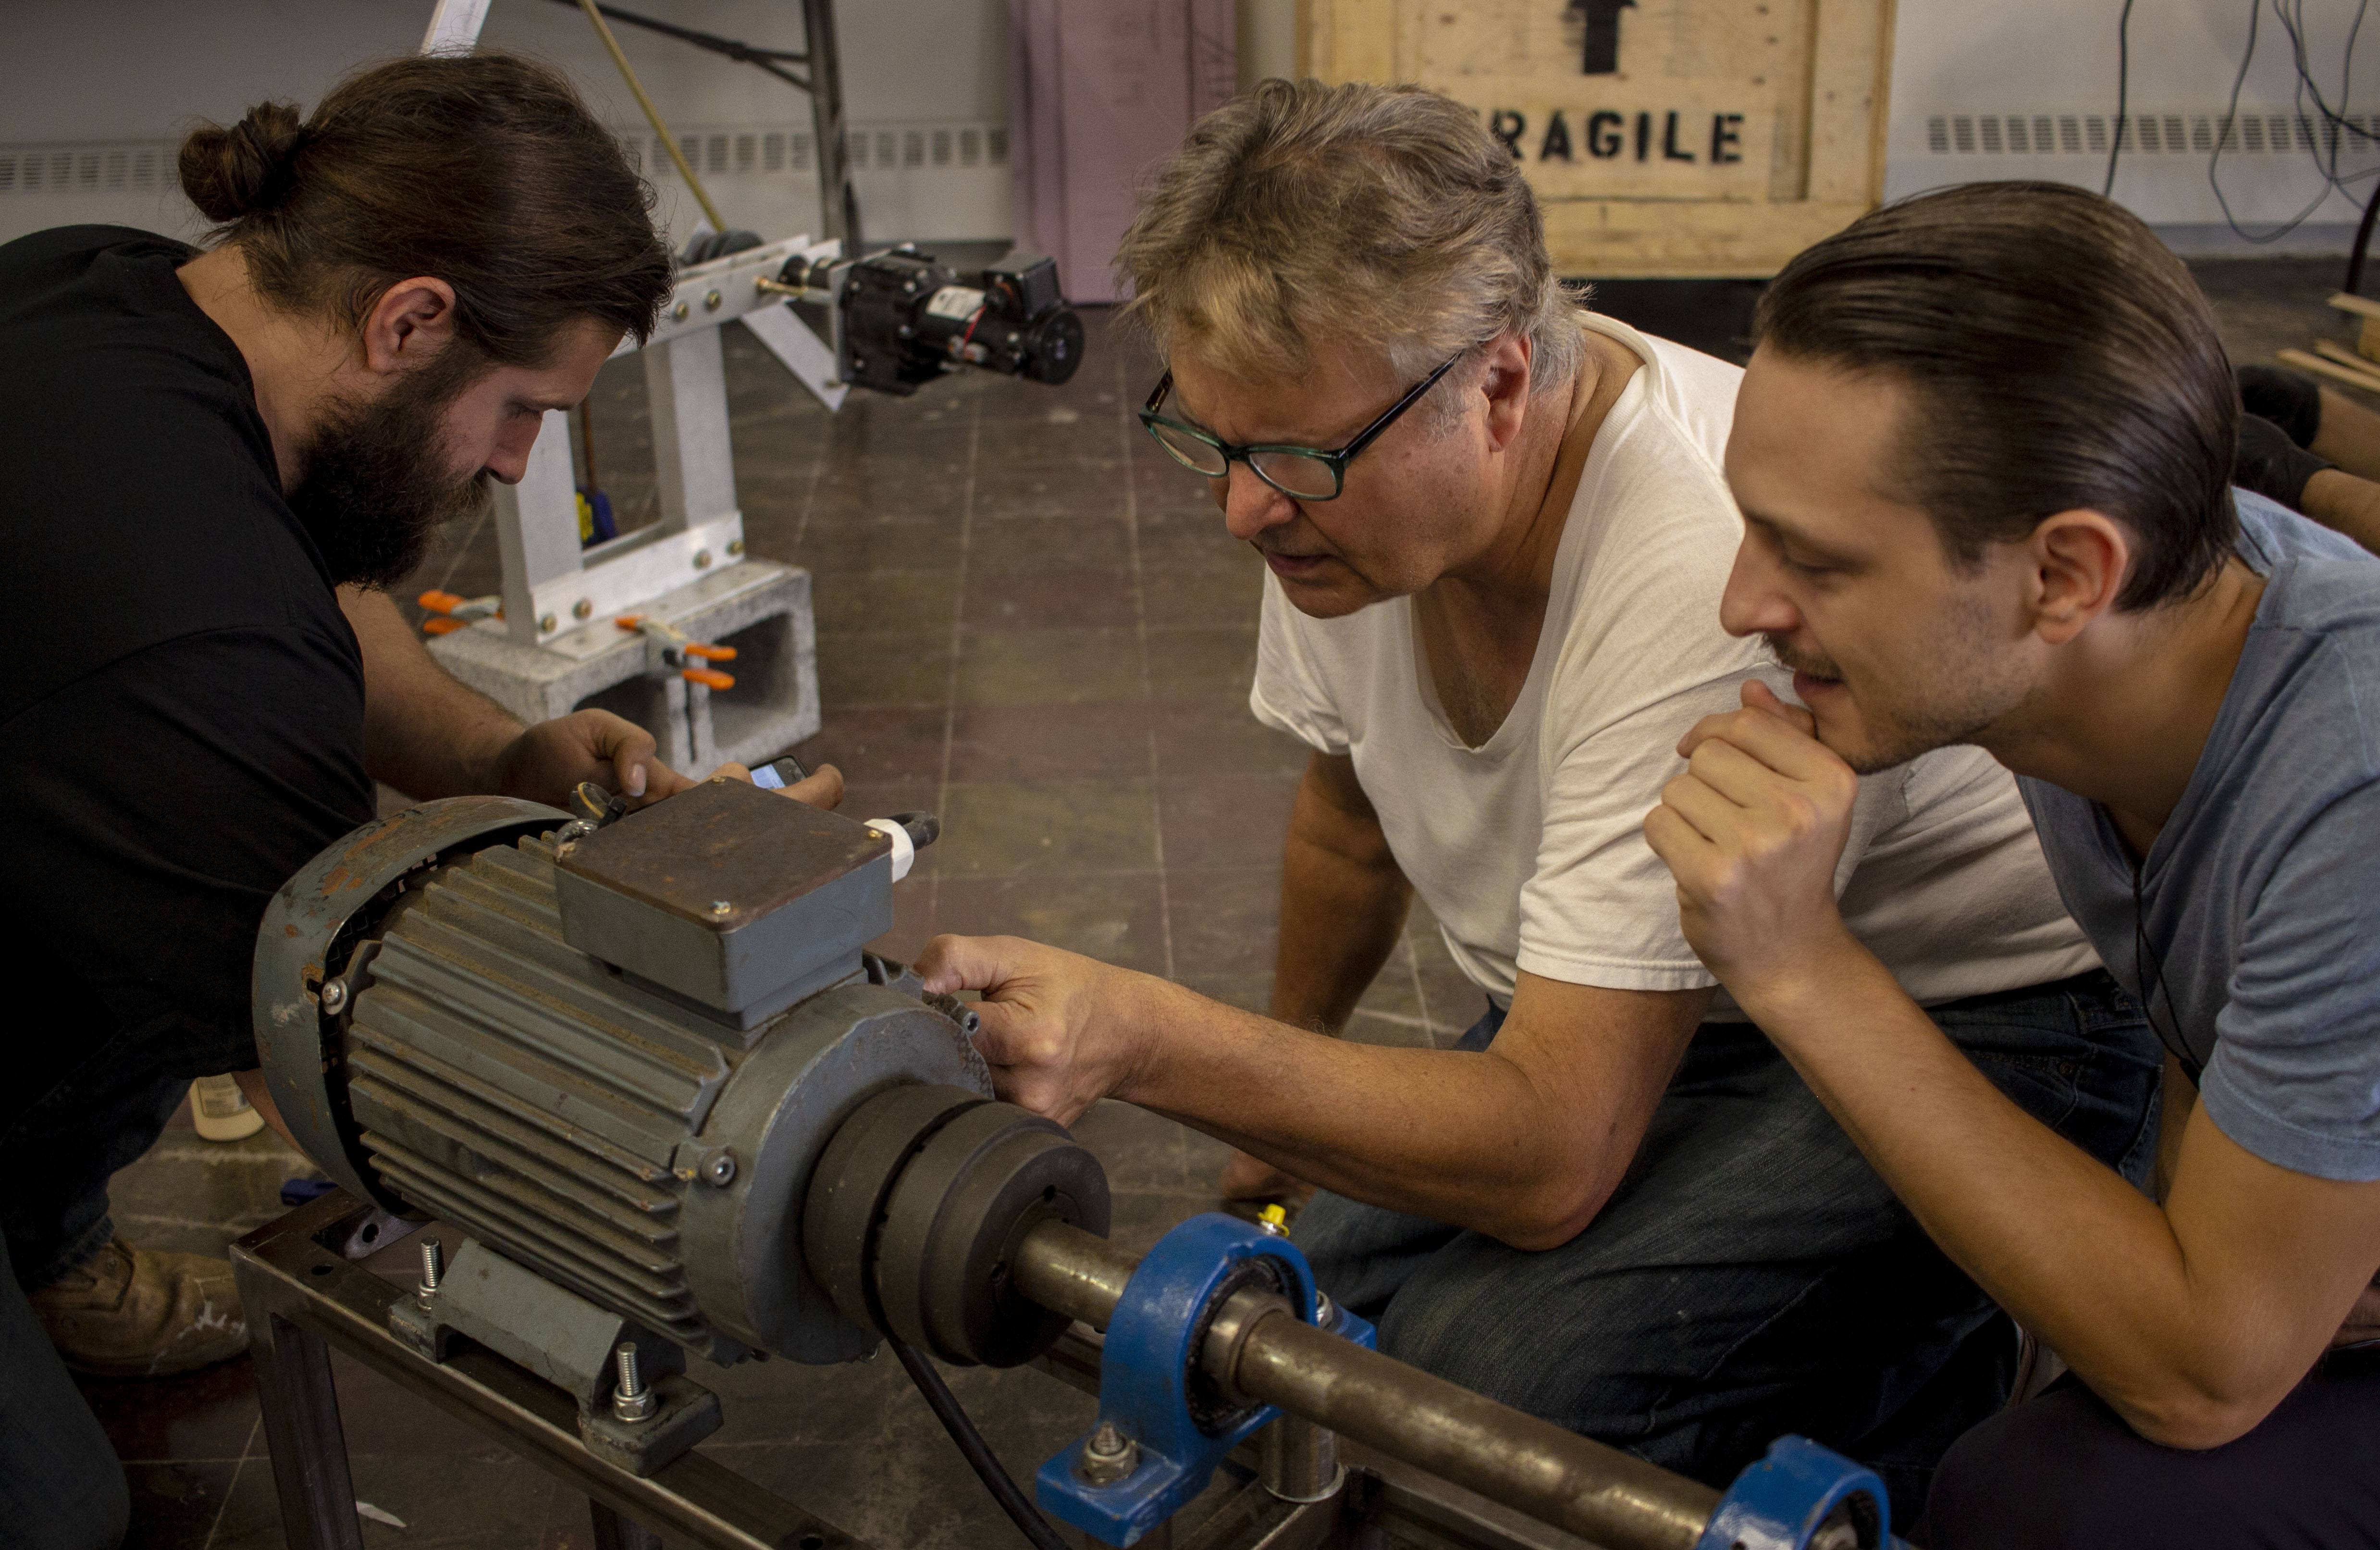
(1057, 1031)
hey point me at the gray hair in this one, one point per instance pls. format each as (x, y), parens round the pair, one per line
(1383, 218)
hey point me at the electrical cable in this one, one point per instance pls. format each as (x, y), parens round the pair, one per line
(2123, 92)
(971, 1445)
(2353, 283)
(2323, 148)
(2144, 959)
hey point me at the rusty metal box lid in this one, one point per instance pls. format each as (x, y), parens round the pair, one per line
(737, 897)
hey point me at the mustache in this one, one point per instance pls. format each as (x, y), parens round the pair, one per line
(1800, 660)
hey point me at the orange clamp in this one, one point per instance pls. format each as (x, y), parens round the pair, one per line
(441, 603)
(711, 654)
(630, 621)
(442, 625)
(709, 678)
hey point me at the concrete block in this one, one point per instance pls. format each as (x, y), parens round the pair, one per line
(758, 606)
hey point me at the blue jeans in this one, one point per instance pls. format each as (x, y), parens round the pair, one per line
(2065, 1472)
(60, 1485)
(1751, 1275)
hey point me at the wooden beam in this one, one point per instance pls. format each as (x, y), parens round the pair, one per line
(2368, 381)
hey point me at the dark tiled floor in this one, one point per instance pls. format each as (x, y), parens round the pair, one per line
(1031, 623)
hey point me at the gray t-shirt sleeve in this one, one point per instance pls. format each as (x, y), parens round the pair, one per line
(2293, 1076)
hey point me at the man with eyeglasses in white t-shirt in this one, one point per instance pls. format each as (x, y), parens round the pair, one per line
(1497, 531)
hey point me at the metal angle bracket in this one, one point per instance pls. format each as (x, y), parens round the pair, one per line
(1785, 1501)
(1146, 1372)
(569, 1342)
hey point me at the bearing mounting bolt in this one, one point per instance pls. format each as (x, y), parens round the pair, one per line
(434, 1270)
(335, 996)
(633, 1400)
(721, 1170)
(1325, 1315)
(1108, 1456)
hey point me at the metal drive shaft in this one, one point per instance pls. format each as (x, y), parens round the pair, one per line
(1556, 1476)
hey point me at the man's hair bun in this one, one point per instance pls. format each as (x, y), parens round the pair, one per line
(246, 169)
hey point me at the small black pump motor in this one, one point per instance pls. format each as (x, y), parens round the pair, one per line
(906, 319)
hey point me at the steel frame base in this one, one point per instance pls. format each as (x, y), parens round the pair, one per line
(304, 1298)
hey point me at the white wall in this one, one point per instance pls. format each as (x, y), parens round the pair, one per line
(104, 86)
(2054, 58)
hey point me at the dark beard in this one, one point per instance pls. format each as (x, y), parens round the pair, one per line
(371, 489)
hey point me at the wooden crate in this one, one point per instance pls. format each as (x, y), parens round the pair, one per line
(1686, 138)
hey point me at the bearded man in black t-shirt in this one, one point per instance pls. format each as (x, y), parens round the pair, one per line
(210, 464)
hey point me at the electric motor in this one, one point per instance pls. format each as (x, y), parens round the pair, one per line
(615, 1054)
(904, 320)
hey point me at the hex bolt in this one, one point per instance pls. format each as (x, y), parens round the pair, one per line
(703, 559)
(583, 609)
(679, 312)
(547, 623)
(632, 1401)
(711, 302)
(720, 907)
(434, 1270)
(1108, 1456)
(335, 996)
(735, 546)
(1325, 1315)
(721, 1170)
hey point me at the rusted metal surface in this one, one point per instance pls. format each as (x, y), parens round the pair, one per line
(725, 840)
(1613, 1498)
(308, 930)
(734, 898)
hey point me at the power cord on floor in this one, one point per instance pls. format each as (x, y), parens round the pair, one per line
(971, 1445)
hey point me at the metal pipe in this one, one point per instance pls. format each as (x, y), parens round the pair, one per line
(1614, 1498)
(1298, 1461)
(1598, 1492)
(1072, 1272)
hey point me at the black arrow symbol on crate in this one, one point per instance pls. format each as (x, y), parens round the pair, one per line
(1602, 19)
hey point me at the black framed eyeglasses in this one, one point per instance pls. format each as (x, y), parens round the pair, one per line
(1303, 473)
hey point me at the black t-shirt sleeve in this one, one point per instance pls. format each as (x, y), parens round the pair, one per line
(196, 776)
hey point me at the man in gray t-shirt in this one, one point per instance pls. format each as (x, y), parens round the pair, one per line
(2257, 951)
(1982, 453)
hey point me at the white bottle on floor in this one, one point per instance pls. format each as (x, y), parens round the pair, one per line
(222, 1111)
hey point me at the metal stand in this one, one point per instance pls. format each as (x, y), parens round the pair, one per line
(559, 643)
(304, 1299)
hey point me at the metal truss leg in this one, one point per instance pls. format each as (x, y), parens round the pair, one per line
(302, 1430)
